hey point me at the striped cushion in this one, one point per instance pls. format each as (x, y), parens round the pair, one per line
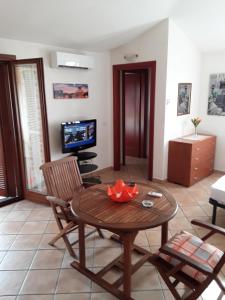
(194, 248)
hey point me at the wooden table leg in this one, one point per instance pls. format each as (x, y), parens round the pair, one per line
(81, 245)
(128, 240)
(164, 234)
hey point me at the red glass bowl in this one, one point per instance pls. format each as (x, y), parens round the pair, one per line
(121, 192)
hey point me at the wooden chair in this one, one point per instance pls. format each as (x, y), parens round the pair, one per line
(188, 259)
(63, 180)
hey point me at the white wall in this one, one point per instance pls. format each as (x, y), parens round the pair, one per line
(183, 65)
(151, 46)
(98, 105)
(212, 63)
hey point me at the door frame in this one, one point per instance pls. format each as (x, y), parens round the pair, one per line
(33, 196)
(117, 70)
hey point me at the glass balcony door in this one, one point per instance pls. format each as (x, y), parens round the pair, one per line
(32, 124)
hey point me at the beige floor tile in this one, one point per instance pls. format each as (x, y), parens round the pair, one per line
(199, 193)
(154, 249)
(203, 201)
(3, 215)
(8, 207)
(107, 241)
(155, 229)
(102, 256)
(168, 295)
(136, 256)
(67, 260)
(180, 286)
(26, 242)
(179, 224)
(34, 227)
(35, 297)
(200, 218)
(220, 212)
(141, 239)
(216, 239)
(193, 211)
(40, 214)
(179, 212)
(10, 227)
(184, 199)
(41, 206)
(6, 241)
(40, 282)
(148, 295)
(110, 276)
(17, 215)
(51, 227)
(72, 281)
(220, 221)
(146, 278)
(11, 282)
(2, 254)
(7, 297)
(84, 296)
(24, 205)
(102, 296)
(208, 209)
(46, 238)
(89, 241)
(154, 238)
(17, 260)
(47, 259)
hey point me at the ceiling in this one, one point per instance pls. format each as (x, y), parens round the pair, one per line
(106, 24)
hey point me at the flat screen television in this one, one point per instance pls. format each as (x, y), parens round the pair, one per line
(78, 135)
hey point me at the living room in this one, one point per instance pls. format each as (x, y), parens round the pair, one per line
(185, 51)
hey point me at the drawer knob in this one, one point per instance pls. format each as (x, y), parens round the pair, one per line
(197, 148)
(195, 168)
(195, 178)
(196, 158)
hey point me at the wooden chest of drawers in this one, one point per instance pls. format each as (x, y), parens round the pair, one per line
(190, 160)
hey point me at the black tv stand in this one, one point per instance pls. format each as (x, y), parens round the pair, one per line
(85, 155)
(87, 167)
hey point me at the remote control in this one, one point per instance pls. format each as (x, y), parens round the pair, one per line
(155, 194)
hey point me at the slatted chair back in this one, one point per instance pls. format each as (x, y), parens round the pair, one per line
(62, 178)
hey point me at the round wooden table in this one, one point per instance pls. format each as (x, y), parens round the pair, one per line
(92, 206)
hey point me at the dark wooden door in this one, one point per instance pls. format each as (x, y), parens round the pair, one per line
(9, 162)
(135, 113)
(132, 108)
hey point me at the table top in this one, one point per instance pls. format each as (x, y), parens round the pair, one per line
(94, 207)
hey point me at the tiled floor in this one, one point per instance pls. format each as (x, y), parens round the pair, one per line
(30, 269)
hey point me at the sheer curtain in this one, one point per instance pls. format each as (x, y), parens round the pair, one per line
(31, 123)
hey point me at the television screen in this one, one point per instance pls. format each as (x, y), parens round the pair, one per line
(78, 135)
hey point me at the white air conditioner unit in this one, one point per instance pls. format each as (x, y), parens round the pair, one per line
(70, 60)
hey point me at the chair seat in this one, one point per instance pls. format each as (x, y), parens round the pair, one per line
(194, 248)
(218, 190)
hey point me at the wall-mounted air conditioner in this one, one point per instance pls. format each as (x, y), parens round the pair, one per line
(70, 60)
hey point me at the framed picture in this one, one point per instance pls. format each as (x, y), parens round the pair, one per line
(184, 99)
(70, 91)
(216, 98)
